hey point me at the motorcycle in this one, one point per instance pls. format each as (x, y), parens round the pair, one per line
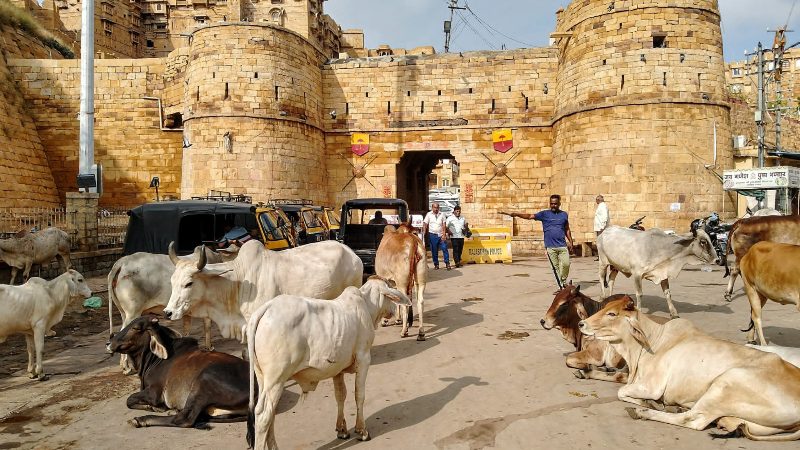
(638, 224)
(717, 231)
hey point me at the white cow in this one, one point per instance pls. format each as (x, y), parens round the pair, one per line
(675, 364)
(649, 255)
(26, 249)
(141, 281)
(788, 354)
(36, 306)
(230, 292)
(310, 340)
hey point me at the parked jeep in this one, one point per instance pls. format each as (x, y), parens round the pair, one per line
(356, 231)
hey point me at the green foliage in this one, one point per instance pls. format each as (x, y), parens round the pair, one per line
(20, 19)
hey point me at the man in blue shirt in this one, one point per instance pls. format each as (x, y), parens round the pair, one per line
(557, 236)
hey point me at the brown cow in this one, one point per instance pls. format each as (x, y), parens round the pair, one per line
(569, 307)
(204, 386)
(401, 258)
(770, 271)
(746, 232)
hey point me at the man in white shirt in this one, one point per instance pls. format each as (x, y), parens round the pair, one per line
(456, 226)
(601, 216)
(434, 223)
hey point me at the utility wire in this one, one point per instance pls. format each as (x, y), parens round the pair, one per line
(492, 29)
(474, 30)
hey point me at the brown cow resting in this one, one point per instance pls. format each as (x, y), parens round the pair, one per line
(746, 232)
(204, 386)
(401, 258)
(569, 307)
(770, 272)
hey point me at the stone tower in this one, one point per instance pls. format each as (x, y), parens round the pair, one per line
(252, 107)
(640, 92)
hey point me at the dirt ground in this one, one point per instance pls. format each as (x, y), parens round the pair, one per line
(487, 377)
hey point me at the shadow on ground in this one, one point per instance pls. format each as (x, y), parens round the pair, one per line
(396, 417)
(438, 322)
(652, 304)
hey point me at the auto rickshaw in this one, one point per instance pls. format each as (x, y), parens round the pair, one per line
(330, 219)
(307, 227)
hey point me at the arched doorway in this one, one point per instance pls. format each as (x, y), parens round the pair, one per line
(414, 176)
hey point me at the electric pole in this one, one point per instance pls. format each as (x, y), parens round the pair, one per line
(448, 24)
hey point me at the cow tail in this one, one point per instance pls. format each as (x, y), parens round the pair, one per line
(112, 296)
(412, 270)
(749, 327)
(252, 326)
(774, 438)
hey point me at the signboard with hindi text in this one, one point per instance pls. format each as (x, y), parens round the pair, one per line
(763, 178)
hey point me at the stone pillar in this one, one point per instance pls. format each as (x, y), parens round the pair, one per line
(82, 214)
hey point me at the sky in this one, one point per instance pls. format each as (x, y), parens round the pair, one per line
(490, 24)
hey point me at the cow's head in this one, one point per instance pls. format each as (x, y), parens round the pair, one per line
(702, 247)
(618, 320)
(188, 282)
(382, 294)
(566, 309)
(77, 284)
(143, 333)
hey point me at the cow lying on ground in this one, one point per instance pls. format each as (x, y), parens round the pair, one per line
(649, 255)
(141, 281)
(746, 232)
(770, 271)
(788, 354)
(36, 306)
(309, 340)
(230, 292)
(203, 386)
(401, 258)
(26, 249)
(740, 388)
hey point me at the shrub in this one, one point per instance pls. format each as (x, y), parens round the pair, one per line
(20, 19)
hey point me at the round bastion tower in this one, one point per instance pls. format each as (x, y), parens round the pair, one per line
(640, 93)
(253, 96)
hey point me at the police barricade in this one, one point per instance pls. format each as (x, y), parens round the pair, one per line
(488, 245)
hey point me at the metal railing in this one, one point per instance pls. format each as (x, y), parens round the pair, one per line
(13, 221)
(112, 224)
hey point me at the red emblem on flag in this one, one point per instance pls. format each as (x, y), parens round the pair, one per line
(359, 143)
(502, 140)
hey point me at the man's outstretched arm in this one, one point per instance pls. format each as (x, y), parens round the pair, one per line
(520, 215)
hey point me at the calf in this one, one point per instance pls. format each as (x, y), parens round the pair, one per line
(309, 340)
(675, 364)
(26, 249)
(203, 386)
(36, 306)
(770, 271)
(569, 307)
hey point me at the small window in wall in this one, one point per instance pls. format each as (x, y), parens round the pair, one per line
(737, 72)
(659, 41)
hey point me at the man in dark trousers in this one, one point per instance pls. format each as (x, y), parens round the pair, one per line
(557, 236)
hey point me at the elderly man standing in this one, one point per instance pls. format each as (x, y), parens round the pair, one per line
(434, 223)
(601, 216)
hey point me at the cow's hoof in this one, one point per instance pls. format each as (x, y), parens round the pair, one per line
(202, 426)
(32, 375)
(728, 298)
(363, 435)
(633, 413)
(43, 377)
(398, 322)
(385, 323)
(50, 333)
(343, 435)
(128, 371)
(674, 316)
(579, 374)
(421, 336)
(752, 342)
(404, 334)
(135, 423)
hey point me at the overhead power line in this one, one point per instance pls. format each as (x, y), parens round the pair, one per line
(493, 30)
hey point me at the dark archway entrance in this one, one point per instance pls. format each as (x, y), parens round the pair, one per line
(412, 176)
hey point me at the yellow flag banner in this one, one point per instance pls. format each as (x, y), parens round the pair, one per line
(502, 140)
(359, 143)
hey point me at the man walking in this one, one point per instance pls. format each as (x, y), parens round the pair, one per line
(456, 227)
(434, 223)
(557, 235)
(600, 215)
